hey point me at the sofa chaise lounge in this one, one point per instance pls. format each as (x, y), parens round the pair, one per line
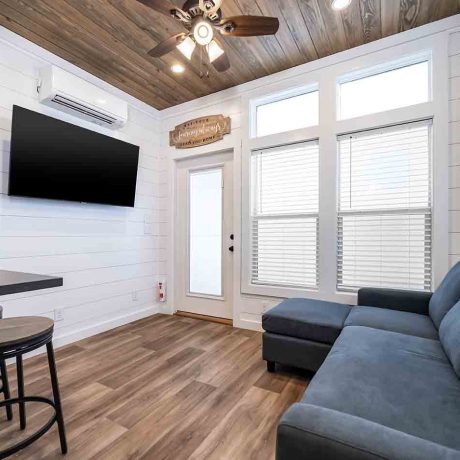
(387, 384)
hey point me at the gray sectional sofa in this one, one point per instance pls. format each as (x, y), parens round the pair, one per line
(387, 384)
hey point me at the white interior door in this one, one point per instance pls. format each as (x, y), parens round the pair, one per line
(204, 239)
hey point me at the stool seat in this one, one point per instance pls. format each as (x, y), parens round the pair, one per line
(19, 336)
(308, 319)
(16, 331)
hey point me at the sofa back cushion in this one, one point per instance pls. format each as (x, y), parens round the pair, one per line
(446, 296)
(449, 335)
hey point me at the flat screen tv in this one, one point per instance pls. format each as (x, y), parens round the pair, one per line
(52, 159)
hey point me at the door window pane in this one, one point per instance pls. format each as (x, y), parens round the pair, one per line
(385, 91)
(206, 232)
(288, 114)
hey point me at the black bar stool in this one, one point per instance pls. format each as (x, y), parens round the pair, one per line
(5, 388)
(17, 337)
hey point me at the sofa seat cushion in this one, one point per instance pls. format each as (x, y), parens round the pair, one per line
(392, 320)
(314, 320)
(400, 381)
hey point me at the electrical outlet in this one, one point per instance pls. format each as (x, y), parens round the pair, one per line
(58, 314)
(134, 296)
(148, 218)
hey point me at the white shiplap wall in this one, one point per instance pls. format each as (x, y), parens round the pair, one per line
(454, 153)
(107, 255)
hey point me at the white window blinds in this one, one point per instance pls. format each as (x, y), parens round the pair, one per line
(284, 215)
(384, 219)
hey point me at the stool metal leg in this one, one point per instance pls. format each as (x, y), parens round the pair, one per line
(6, 388)
(22, 405)
(57, 396)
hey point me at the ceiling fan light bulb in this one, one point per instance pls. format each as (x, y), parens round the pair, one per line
(178, 68)
(203, 33)
(214, 51)
(340, 4)
(187, 47)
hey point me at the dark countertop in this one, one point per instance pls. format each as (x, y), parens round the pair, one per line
(14, 282)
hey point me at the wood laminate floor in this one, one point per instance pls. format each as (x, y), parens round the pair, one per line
(161, 388)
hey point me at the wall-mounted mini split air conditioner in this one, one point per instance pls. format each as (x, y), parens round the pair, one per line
(64, 91)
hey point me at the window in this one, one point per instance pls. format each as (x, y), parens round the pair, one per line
(384, 217)
(385, 91)
(287, 114)
(284, 215)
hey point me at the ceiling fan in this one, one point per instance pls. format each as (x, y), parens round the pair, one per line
(202, 18)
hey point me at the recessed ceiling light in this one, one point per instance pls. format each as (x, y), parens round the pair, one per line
(340, 4)
(178, 68)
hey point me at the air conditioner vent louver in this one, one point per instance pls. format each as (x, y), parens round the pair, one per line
(71, 94)
(83, 109)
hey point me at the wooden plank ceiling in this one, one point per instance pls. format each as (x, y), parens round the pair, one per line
(110, 38)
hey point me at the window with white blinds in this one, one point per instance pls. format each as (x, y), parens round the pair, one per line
(284, 215)
(384, 218)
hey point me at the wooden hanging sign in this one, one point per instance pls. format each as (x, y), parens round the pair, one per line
(200, 131)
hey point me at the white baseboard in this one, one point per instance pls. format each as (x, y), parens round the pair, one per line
(93, 329)
(253, 325)
(163, 307)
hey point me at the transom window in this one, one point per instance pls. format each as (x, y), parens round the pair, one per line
(295, 112)
(384, 91)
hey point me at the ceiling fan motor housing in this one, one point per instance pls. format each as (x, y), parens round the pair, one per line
(193, 8)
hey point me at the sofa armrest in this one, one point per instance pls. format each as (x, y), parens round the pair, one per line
(395, 299)
(308, 432)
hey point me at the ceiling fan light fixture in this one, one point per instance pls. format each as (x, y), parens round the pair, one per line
(187, 47)
(203, 33)
(214, 51)
(340, 4)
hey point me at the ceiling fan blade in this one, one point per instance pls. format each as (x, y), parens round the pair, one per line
(221, 64)
(162, 6)
(167, 46)
(249, 26)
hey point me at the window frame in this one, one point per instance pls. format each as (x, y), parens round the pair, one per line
(326, 75)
